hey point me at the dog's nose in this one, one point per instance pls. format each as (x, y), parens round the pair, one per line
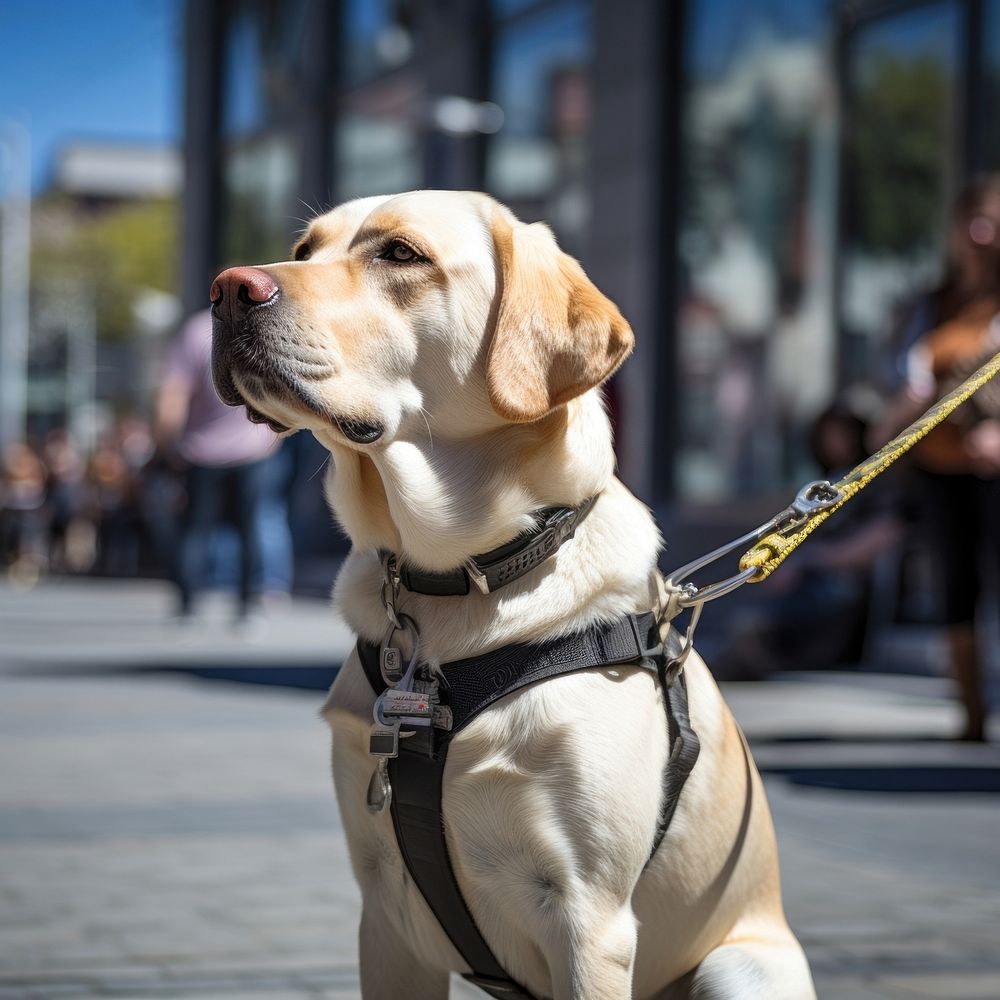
(238, 289)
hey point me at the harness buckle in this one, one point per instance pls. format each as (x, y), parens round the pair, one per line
(647, 653)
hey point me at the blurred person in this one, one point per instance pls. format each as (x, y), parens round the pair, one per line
(275, 532)
(71, 533)
(113, 505)
(815, 610)
(135, 440)
(23, 514)
(224, 460)
(134, 436)
(957, 466)
(161, 500)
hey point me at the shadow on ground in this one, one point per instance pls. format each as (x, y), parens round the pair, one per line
(309, 677)
(898, 778)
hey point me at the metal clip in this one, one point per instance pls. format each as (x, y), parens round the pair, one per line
(810, 500)
(690, 595)
(379, 793)
(390, 588)
(674, 663)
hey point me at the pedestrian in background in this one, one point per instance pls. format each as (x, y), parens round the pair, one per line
(952, 331)
(72, 537)
(814, 613)
(224, 460)
(23, 514)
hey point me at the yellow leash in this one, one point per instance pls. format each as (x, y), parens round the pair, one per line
(772, 542)
(770, 552)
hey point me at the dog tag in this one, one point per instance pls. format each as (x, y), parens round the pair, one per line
(391, 664)
(383, 741)
(408, 704)
(379, 788)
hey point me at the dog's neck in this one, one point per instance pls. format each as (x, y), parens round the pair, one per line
(438, 505)
(437, 502)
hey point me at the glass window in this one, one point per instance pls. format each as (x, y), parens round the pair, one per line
(376, 154)
(899, 182)
(378, 37)
(755, 343)
(260, 180)
(504, 8)
(262, 86)
(537, 162)
(378, 126)
(261, 63)
(989, 120)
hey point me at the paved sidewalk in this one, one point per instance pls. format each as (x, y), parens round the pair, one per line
(165, 835)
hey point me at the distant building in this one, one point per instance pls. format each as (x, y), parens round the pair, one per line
(758, 185)
(80, 372)
(112, 173)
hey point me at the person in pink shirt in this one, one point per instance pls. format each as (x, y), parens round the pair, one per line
(223, 455)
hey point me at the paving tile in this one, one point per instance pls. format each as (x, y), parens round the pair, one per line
(166, 836)
(949, 986)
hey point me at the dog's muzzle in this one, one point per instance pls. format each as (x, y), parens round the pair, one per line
(250, 327)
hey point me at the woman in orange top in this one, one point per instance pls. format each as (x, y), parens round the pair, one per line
(958, 464)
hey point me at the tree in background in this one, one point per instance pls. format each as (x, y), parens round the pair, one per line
(116, 250)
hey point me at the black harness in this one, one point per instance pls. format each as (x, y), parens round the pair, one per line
(464, 688)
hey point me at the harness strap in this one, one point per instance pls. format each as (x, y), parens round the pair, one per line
(683, 743)
(417, 782)
(470, 686)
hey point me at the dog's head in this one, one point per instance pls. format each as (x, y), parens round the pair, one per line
(429, 309)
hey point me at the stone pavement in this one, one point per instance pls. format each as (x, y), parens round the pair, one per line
(163, 834)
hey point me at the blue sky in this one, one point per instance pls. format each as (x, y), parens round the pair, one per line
(104, 69)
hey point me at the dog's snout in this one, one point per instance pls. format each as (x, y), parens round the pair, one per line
(239, 289)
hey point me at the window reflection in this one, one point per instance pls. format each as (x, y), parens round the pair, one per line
(754, 337)
(260, 179)
(261, 58)
(537, 163)
(989, 121)
(376, 141)
(260, 162)
(378, 37)
(376, 154)
(900, 133)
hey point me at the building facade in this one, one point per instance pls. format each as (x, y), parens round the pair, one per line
(759, 184)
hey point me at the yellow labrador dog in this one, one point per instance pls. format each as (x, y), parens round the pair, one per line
(450, 358)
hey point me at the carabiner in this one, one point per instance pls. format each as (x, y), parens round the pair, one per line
(809, 501)
(690, 595)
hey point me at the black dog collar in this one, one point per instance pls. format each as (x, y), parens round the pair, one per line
(504, 564)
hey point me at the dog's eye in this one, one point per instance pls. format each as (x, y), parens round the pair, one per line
(399, 252)
(302, 251)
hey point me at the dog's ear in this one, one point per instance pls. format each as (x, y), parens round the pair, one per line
(555, 335)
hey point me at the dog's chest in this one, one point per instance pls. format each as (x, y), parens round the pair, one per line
(539, 792)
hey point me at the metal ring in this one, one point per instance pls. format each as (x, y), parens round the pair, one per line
(406, 624)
